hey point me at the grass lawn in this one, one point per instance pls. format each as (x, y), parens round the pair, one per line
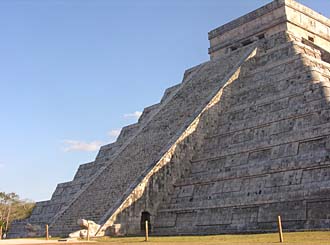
(293, 238)
(301, 238)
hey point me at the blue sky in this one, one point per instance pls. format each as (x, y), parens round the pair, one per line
(73, 72)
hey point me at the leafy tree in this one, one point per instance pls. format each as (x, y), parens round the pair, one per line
(13, 208)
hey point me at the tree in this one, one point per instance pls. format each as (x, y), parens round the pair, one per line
(12, 208)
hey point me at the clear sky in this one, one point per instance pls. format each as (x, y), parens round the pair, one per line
(74, 72)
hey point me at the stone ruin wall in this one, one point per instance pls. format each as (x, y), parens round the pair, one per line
(278, 16)
(159, 182)
(112, 185)
(262, 149)
(66, 193)
(294, 173)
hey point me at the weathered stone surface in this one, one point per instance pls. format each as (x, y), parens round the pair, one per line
(90, 227)
(245, 137)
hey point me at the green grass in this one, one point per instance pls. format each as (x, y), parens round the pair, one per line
(292, 238)
(300, 238)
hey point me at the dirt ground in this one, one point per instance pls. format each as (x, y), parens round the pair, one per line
(39, 241)
(167, 243)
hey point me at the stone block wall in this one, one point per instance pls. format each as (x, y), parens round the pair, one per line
(102, 196)
(265, 151)
(244, 138)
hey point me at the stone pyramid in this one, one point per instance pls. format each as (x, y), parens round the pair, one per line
(244, 138)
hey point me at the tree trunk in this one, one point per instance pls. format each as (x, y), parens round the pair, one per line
(8, 216)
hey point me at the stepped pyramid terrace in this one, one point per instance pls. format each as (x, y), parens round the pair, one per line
(244, 137)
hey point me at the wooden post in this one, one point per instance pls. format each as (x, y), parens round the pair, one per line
(47, 232)
(0, 232)
(88, 231)
(280, 232)
(147, 232)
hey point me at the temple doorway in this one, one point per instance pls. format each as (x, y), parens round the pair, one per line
(145, 216)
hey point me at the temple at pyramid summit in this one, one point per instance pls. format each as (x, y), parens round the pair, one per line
(244, 137)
